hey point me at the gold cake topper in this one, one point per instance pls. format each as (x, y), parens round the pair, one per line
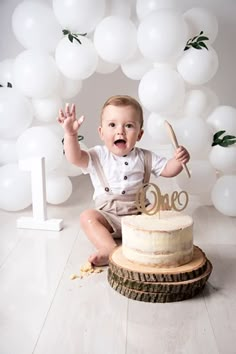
(177, 200)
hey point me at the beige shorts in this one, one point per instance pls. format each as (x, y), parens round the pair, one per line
(113, 209)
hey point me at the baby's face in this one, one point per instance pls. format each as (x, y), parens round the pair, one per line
(120, 129)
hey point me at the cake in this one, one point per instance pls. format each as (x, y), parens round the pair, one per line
(162, 240)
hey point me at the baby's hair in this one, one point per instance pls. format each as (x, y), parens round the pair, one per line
(124, 100)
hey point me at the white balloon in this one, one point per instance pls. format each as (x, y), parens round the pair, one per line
(35, 73)
(198, 66)
(203, 177)
(104, 67)
(67, 169)
(69, 88)
(79, 15)
(162, 35)
(35, 26)
(58, 189)
(145, 7)
(46, 109)
(156, 128)
(6, 72)
(40, 142)
(118, 8)
(135, 67)
(115, 39)
(212, 100)
(76, 61)
(224, 195)
(201, 19)
(223, 118)
(162, 90)
(195, 102)
(8, 151)
(223, 158)
(16, 113)
(193, 133)
(15, 188)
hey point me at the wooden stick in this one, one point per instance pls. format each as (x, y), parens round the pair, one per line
(175, 143)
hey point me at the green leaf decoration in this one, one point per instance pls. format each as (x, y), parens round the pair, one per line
(8, 85)
(197, 42)
(224, 141)
(73, 36)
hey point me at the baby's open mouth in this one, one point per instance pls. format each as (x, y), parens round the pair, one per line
(120, 143)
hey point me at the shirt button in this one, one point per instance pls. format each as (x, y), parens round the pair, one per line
(126, 163)
(125, 177)
(123, 192)
(107, 189)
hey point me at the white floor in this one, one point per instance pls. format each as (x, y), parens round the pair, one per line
(43, 311)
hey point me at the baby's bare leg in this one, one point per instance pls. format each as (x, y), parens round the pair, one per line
(98, 231)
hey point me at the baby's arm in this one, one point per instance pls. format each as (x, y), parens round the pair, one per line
(71, 125)
(175, 165)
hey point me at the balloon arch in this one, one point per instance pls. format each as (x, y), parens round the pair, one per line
(170, 53)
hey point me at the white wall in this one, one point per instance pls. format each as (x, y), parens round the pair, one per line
(99, 87)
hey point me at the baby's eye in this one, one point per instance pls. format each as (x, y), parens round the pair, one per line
(129, 125)
(111, 124)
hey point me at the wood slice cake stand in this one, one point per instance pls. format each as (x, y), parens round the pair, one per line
(152, 284)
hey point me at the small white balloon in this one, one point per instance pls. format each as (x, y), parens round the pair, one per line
(76, 61)
(40, 142)
(212, 100)
(162, 90)
(6, 72)
(195, 102)
(15, 188)
(8, 152)
(58, 189)
(224, 195)
(105, 67)
(203, 177)
(162, 35)
(35, 73)
(79, 15)
(135, 67)
(16, 113)
(69, 88)
(156, 128)
(46, 109)
(223, 118)
(35, 26)
(145, 7)
(115, 39)
(198, 66)
(118, 8)
(201, 19)
(67, 169)
(223, 158)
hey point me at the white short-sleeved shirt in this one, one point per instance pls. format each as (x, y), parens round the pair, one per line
(123, 173)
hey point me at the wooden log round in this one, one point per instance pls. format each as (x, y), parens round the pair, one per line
(124, 268)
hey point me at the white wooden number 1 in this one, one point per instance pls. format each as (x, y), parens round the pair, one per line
(38, 185)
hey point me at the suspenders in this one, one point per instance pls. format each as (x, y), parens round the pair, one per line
(102, 177)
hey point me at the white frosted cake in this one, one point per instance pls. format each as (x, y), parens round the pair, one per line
(164, 240)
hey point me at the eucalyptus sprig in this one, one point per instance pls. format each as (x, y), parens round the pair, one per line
(8, 85)
(197, 42)
(72, 36)
(79, 138)
(224, 141)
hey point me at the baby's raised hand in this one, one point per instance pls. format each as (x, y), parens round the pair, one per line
(68, 121)
(182, 155)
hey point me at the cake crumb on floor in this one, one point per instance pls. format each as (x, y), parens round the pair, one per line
(86, 270)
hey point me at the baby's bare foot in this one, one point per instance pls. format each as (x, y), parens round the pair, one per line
(101, 257)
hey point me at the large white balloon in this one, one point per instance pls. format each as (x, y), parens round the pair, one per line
(145, 7)
(195, 102)
(40, 142)
(35, 73)
(115, 39)
(67, 169)
(135, 67)
(35, 26)
(223, 158)
(201, 19)
(76, 61)
(16, 113)
(6, 72)
(162, 90)
(79, 15)
(156, 128)
(46, 109)
(195, 135)
(203, 177)
(69, 88)
(119, 8)
(162, 35)
(223, 118)
(15, 188)
(8, 151)
(58, 189)
(224, 195)
(198, 66)
(105, 67)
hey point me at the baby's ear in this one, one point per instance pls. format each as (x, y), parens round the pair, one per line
(100, 132)
(140, 134)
